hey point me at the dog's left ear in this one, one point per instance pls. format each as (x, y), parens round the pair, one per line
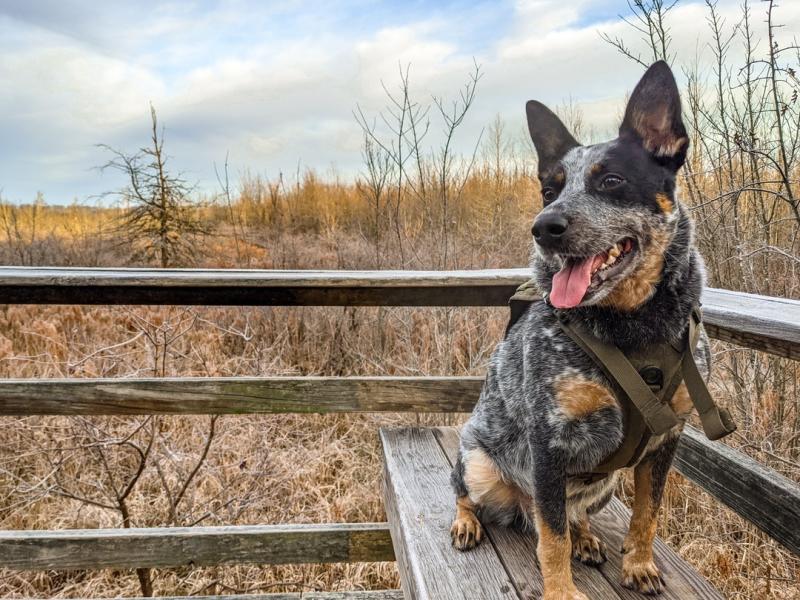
(653, 116)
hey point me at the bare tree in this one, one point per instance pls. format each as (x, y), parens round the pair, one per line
(373, 186)
(159, 219)
(648, 17)
(434, 179)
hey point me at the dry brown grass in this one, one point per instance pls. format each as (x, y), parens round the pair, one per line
(306, 468)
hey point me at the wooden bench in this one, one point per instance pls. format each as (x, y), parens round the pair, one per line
(420, 505)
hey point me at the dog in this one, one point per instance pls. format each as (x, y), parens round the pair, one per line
(614, 249)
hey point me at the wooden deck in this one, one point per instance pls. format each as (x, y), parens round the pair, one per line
(420, 506)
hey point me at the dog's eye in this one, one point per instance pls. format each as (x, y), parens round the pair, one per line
(611, 181)
(548, 194)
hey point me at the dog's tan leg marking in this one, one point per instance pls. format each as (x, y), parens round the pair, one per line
(466, 531)
(639, 286)
(579, 397)
(586, 547)
(555, 552)
(639, 571)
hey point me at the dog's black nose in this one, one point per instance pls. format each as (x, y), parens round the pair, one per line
(549, 228)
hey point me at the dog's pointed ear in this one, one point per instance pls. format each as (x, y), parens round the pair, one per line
(550, 137)
(653, 116)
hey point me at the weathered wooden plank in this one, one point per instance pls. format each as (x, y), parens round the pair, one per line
(419, 505)
(37, 285)
(355, 595)
(768, 324)
(169, 278)
(518, 551)
(195, 546)
(760, 322)
(611, 524)
(237, 395)
(682, 581)
(759, 494)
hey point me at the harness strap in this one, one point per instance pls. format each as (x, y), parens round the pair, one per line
(717, 422)
(645, 414)
(658, 416)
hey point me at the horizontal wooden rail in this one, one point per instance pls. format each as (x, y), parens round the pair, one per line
(757, 493)
(760, 322)
(234, 287)
(237, 395)
(762, 496)
(359, 595)
(195, 546)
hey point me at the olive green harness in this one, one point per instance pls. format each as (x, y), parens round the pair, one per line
(644, 381)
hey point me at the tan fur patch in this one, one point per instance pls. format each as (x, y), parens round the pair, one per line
(664, 203)
(595, 168)
(559, 177)
(671, 148)
(654, 127)
(681, 402)
(555, 553)
(639, 571)
(639, 286)
(638, 544)
(486, 485)
(579, 397)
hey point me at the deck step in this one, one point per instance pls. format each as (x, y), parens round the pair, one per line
(420, 505)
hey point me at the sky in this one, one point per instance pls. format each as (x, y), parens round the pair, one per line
(273, 85)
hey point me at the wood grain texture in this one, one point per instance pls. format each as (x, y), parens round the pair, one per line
(35, 285)
(763, 323)
(355, 595)
(195, 546)
(610, 525)
(237, 395)
(420, 505)
(760, 322)
(682, 581)
(759, 494)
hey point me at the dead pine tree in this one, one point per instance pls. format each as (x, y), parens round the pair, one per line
(159, 220)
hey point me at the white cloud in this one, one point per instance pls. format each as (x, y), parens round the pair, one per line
(276, 85)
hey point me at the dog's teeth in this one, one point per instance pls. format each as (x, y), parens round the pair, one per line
(615, 251)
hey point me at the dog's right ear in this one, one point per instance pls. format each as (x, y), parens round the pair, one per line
(550, 137)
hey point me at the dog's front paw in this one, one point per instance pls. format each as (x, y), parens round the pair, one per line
(572, 594)
(466, 532)
(643, 577)
(588, 549)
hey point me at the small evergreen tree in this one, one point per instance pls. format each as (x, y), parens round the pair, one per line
(159, 220)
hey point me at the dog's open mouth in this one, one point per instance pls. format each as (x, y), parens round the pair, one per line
(580, 275)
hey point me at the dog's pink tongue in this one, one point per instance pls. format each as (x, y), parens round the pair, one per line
(571, 282)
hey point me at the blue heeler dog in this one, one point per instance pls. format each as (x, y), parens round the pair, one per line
(614, 248)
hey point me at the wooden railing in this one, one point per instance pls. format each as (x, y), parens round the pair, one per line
(762, 496)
